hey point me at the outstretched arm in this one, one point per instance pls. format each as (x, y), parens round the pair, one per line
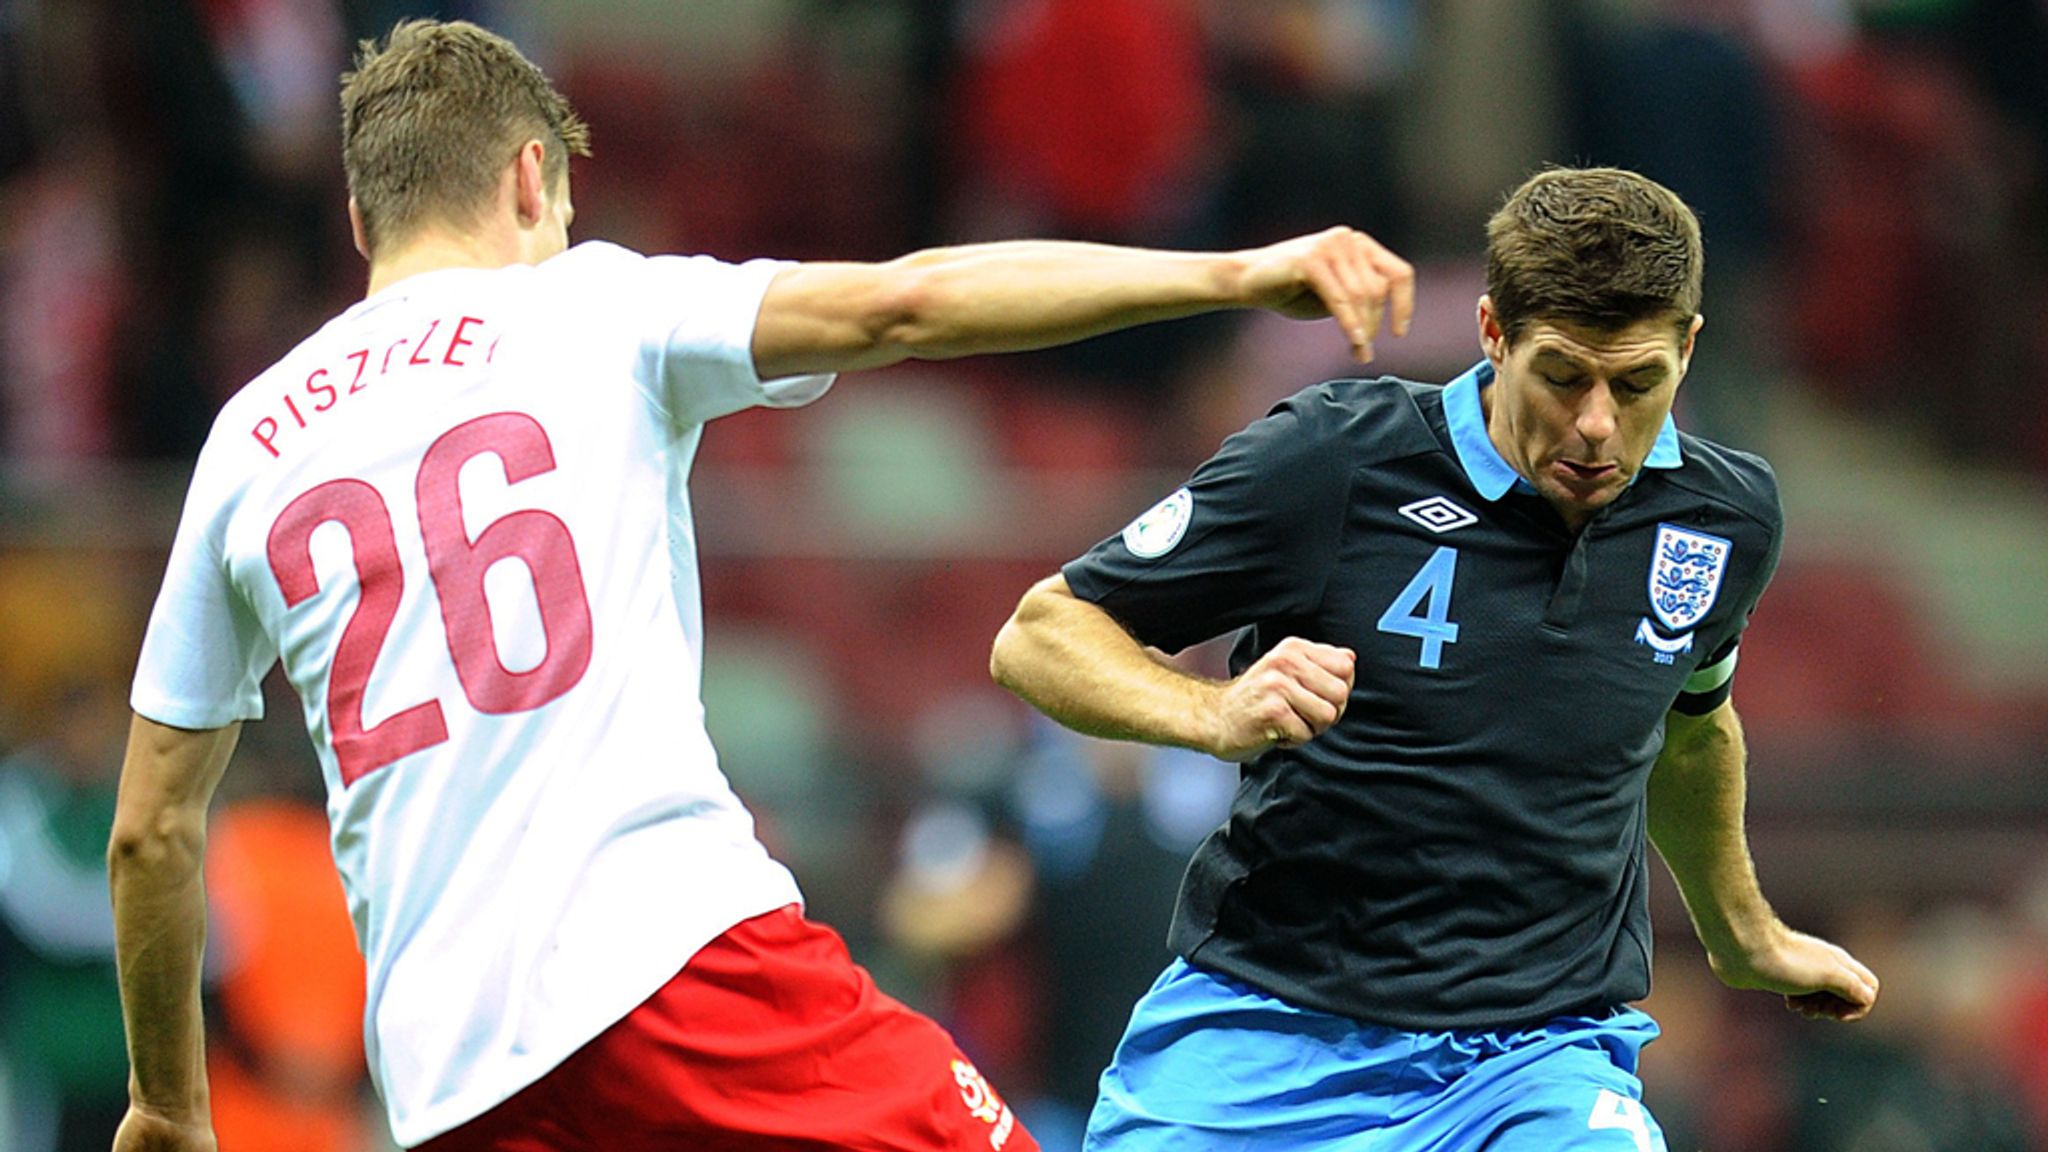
(154, 866)
(1074, 662)
(1697, 794)
(1013, 296)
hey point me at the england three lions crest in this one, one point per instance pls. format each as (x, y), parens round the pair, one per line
(1685, 576)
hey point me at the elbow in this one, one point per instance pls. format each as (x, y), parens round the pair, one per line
(1003, 654)
(167, 839)
(906, 314)
(1009, 658)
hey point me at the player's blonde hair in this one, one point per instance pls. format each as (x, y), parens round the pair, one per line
(430, 118)
(1599, 247)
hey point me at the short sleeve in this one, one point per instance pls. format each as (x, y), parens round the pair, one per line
(1713, 681)
(698, 331)
(1251, 537)
(205, 653)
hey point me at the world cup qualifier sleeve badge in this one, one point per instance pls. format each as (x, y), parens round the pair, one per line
(1154, 533)
(1685, 579)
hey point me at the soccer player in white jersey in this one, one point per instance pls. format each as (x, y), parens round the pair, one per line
(458, 513)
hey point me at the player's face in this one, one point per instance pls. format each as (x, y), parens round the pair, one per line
(1576, 410)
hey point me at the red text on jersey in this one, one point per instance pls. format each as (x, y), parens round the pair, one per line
(444, 343)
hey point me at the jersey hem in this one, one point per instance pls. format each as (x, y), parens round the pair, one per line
(461, 1109)
(1299, 997)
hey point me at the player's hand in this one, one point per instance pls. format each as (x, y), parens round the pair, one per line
(1292, 695)
(1818, 980)
(1339, 272)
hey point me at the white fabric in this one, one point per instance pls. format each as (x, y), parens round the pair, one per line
(523, 884)
(1713, 676)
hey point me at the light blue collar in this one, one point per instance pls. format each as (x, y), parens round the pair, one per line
(1491, 475)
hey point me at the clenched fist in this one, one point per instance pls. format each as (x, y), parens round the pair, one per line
(1291, 696)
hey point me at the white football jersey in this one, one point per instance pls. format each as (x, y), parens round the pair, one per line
(458, 513)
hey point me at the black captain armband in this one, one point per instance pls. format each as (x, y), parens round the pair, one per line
(1708, 687)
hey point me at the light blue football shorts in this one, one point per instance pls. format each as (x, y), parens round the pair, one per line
(1208, 1063)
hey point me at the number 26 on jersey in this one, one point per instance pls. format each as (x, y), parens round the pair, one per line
(456, 565)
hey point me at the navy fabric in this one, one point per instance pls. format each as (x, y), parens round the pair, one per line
(1465, 848)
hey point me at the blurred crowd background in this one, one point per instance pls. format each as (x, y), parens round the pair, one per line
(1873, 180)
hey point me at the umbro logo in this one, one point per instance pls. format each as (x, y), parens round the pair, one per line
(1438, 514)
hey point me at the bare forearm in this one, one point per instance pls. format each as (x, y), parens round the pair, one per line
(1073, 662)
(160, 937)
(1009, 296)
(1696, 804)
(1031, 294)
(1017, 295)
(155, 867)
(1697, 800)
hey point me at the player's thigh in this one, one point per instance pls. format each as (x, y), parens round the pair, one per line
(1573, 1100)
(1208, 1064)
(772, 1037)
(532, 1121)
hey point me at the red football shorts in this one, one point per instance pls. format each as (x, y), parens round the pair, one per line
(769, 1038)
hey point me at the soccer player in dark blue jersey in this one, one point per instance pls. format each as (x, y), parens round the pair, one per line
(1486, 639)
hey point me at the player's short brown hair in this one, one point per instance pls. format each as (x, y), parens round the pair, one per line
(1599, 247)
(430, 118)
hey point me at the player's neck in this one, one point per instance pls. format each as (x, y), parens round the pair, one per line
(438, 249)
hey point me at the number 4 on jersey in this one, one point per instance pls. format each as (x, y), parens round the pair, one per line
(1434, 627)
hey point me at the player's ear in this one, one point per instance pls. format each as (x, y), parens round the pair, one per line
(1492, 339)
(1692, 334)
(530, 184)
(356, 231)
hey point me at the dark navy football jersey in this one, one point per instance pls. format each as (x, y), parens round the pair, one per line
(1465, 847)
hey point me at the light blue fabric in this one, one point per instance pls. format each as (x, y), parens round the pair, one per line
(1209, 1063)
(1491, 475)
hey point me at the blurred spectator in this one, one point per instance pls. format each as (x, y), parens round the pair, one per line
(1909, 198)
(284, 1057)
(173, 118)
(1930, 1075)
(1485, 110)
(1109, 827)
(62, 296)
(1032, 896)
(1309, 94)
(952, 915)
(1714, 1077)
(953, 910)
(62, 287)
(2027, 1039)
(1084, 117)
(278, 58)
(1091, 119)
(715, 130)
(15, 88)
(70, 631)
(62, 1036)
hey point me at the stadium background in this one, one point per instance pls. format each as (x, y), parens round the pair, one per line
(1873, 179)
